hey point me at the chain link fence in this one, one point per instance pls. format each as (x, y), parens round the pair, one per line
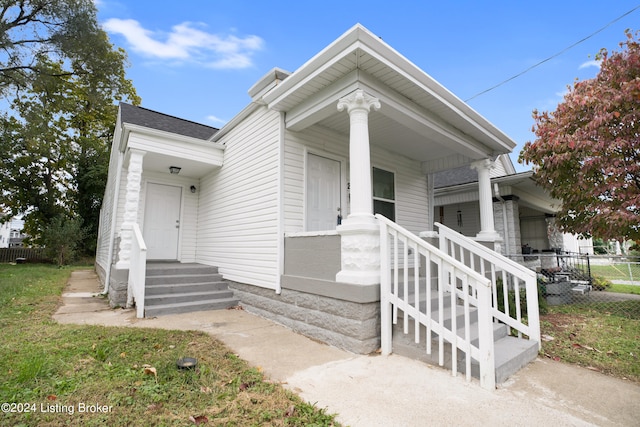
(609, 284)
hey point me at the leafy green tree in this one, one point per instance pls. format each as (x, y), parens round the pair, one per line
(32, 29)
(55, 139)
(587, 152)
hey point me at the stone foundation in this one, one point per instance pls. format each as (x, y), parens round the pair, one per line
(118, 286)
(344, 324)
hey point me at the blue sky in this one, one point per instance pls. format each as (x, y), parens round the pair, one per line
(196, 59)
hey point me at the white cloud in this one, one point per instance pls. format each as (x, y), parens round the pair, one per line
(592, 63)
(187, 42)
(215, 119)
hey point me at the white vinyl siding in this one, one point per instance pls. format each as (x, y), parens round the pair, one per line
(238, 212)
(106, 212)
(411, 185)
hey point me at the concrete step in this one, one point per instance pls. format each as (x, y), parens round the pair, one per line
(173, 287)
(511, 353)
(164, 299)
(182, 279)
(176, 268)
(181, 288)
(188, 307)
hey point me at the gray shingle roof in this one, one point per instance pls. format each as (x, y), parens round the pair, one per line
(154, 120)
(458, 176)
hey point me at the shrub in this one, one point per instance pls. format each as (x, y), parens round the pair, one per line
(599, 283)
(61, 239)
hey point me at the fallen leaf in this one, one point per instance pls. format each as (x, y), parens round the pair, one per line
(154, 406)
(52, 397)
(151, 371)
(205, 389)
(200, 419)
(123, 355)
(290, 411)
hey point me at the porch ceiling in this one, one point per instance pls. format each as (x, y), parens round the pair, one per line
(194, 157)
(189, 168)
(418, 118)
(529, 193)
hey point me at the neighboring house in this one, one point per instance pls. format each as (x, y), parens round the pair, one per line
(5, 233)
(523, 213)
(281, 200)
(11, 235)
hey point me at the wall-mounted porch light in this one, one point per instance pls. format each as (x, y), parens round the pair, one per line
(193, 188)
(459, 217)
(175, 170)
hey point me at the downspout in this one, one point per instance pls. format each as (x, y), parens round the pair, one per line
(496, 191)
(114, 220)
(280, 231)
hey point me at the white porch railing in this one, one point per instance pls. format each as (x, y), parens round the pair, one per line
(512, 283)
(455, 283)
(137, 272)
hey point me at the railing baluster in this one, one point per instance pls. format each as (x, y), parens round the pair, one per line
(428, 274)
(454, 323)
(416, 288)
(467, 328)
(386, 336)
(395, 275)
(405, 284)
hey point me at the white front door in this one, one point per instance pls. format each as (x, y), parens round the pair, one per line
(323, 193)
(162, 221)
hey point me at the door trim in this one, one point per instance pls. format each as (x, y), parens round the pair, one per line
(144, 191)
(344, 192)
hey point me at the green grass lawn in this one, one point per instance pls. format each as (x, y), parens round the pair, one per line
(595, 336)
(617, 271)
(123, 376)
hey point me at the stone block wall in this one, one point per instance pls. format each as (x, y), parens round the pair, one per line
(348, 325)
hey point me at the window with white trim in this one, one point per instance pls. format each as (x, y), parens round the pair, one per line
(384, 193)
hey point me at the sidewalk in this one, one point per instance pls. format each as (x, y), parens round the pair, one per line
(384, 391)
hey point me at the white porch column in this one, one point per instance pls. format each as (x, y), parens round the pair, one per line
(358, 104)
(360, 239)
(131, 205)
(487, 226)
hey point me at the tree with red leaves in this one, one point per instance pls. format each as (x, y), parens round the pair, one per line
(587, 152)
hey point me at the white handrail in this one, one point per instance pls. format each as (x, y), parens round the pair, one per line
(456, 282)
(137, 272)
(501, 271)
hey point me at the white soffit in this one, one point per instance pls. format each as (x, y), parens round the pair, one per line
(360, 50)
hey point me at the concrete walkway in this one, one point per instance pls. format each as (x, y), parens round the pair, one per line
(384, 391)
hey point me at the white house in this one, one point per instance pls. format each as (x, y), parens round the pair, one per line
(524, 214)
(5, 234)
(281, 200)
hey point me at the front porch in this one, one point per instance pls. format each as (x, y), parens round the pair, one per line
(427, 284)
